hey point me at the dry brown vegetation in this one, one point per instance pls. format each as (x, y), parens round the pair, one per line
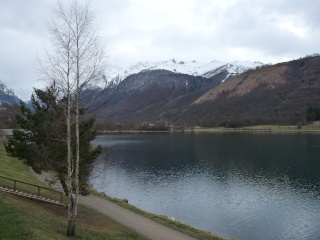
(271, 77)
(276, 94)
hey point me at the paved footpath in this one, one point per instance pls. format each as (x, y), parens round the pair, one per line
(142, 225)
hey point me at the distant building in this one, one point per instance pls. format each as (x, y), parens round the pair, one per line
(4, 133)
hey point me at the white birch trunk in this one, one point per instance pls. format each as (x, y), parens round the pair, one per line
(74, 62)
(71, 230)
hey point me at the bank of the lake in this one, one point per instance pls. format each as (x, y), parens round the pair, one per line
(308, 128)
(47, 221)
(22, 218)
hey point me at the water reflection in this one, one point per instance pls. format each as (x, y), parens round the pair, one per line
(248, 186)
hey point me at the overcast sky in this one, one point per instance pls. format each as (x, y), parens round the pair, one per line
(269, 31)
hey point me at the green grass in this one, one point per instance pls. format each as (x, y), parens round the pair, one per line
(14, 168)
(182, 227)
(310, 128)
(22, 218)
(284, 128)
(26, 219)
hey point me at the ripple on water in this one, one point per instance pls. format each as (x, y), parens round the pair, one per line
(258, 190)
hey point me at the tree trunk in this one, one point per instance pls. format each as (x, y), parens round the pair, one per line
(71, 230)
(77, 58)
(77, 102)
(63, 183)
(77, 160)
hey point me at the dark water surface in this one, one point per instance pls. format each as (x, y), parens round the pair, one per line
(246, 186)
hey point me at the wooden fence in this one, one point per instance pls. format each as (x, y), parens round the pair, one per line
(39, 191)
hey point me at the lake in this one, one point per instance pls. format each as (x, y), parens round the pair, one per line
(240, 185)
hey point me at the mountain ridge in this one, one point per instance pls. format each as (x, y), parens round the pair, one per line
(150, 95)
(118, 71)
(8, 95)
(273, 94)
(280, 93)
(264, 94)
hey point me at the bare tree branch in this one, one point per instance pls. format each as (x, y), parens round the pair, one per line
(76, 57)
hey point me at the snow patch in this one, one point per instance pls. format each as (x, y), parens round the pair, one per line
(117, 71)
(6, 90)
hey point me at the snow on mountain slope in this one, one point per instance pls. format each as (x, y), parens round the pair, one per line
(7, 94)
(117, 71)
(4, 89)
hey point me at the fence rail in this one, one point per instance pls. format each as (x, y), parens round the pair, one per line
(37, 189)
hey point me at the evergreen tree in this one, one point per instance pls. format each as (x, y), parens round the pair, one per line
(42, 142)
(313, 114)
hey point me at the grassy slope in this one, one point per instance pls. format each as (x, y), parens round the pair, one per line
(21, 218)
(46, 221)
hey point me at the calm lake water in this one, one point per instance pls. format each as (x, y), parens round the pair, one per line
(246, 186)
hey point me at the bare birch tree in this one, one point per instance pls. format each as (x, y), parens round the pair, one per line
(76, 57)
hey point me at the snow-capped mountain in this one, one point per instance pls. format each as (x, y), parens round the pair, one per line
(117, 71)
(7, 94)
(6, 90)
(159, 96)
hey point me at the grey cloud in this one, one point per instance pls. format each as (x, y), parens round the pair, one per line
(211, 31)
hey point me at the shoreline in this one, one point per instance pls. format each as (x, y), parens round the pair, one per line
(175, 225)
(314, 129)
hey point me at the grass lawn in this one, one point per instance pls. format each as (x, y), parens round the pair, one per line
(14, 168)
(22, 218)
